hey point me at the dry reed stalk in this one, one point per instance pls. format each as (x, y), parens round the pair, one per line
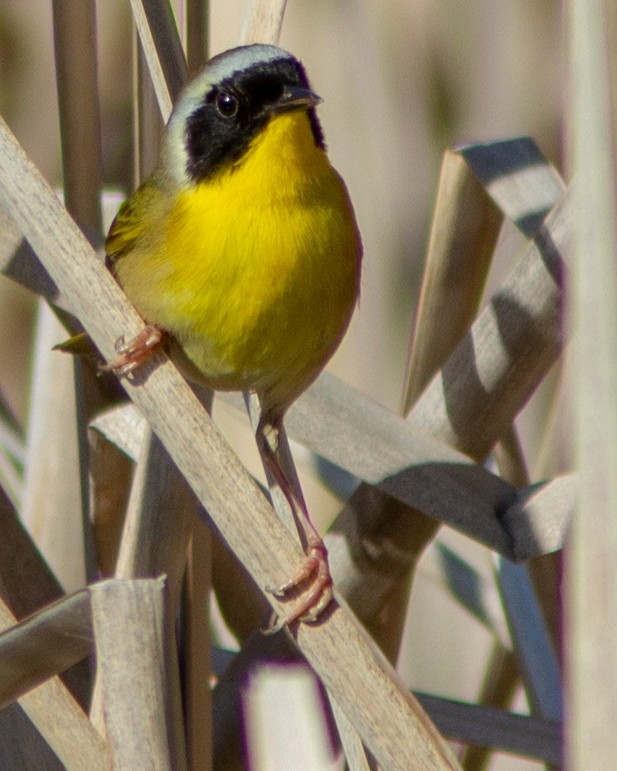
(50, 706)
(464, 233)
(484, 726)
(262, 21)
(525, 195)
(138, 674)
(19, 557)
(80, 125)
(162, 49)
(196, 33)
(498, 689)
(196, 650)
(188, 560)
(54, 504)
(12, 454)
(591, 579)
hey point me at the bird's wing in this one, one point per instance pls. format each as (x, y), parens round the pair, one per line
(133, 222)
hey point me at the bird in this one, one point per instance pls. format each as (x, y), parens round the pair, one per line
(242, 254)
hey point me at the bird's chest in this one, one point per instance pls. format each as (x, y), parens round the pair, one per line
(248, 257)
(250, 282)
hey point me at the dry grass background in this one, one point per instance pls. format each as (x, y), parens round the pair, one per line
(401, 82)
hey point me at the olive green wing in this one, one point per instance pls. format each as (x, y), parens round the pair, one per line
(132, 223)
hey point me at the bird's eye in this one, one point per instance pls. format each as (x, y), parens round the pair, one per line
(226, 104)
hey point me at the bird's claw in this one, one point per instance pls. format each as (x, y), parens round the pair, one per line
(314, 600)
(132, 354)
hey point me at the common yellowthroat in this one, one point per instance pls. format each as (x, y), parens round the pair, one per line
(241, 252)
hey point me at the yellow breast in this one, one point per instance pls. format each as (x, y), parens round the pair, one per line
(256, 272)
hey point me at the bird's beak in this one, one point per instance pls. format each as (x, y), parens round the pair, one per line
(295, 98)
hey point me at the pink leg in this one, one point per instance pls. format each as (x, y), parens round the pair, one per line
(135, 352)
(314, 571)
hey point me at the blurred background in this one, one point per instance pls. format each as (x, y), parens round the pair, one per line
(401, 81)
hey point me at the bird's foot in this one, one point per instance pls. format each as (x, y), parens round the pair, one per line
(317, 595)
(135, 352)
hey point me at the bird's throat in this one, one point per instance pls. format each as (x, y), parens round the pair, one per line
(283, 160)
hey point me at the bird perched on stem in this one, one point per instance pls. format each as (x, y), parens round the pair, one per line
(242, 254)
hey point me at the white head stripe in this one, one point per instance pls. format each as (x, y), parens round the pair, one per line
(216, 70)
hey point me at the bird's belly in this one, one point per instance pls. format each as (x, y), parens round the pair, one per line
(259, 300)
